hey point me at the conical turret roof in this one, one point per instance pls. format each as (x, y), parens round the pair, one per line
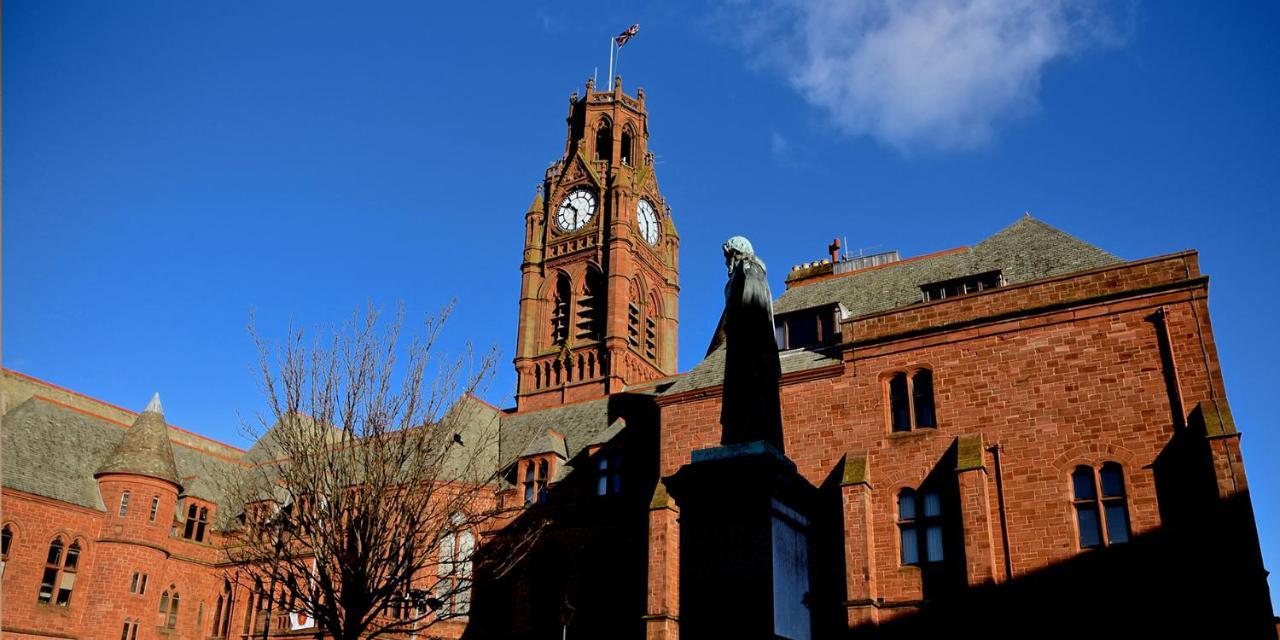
(145, 449)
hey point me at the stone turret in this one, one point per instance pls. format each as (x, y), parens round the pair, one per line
(144, 450)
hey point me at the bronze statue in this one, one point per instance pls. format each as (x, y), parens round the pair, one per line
(749, 410)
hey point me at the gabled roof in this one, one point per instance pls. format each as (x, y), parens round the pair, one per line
(53, 450)
(1026, 250)
(144, 450)
(710, 372)
(548, 441)
(577, 424)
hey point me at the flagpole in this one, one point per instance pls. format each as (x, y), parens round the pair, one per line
(611, 43)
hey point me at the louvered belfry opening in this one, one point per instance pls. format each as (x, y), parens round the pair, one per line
(590, 316)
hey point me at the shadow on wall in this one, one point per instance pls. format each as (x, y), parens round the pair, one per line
(588, 569)
(1199, 575)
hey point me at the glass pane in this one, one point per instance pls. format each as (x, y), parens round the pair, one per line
(898, 403)
(933, 543)
(906, 506)
(1117, 522)
(73, 556)
(910, 546)
(1090, 533)
(55, 553)
(1082, 481)
(46, 585)
(922, 387)
(528, 492)
(602, 484)
(616, 480)
(124, 635)
(1112, 480)
(932, 505)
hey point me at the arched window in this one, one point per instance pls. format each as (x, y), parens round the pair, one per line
(1102, 519)
(625, 151)
(202, 521)
(911, 403)
(651, 328)
(560, 310)
(222, 612)
(59, 575)
(6, 541)
(898, 407)
(124, 504)
(453, 584)
(920, 527)
(189, 529)
(172, 621)
(922, 397)
(604, 140)
(130, 631)
(530, 492)
(541, 480)
(590, 320)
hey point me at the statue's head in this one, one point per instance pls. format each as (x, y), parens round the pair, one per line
(737, 246)
(738, 249)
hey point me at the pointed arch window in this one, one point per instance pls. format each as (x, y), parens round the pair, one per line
(59, 577)
(454, 570)
(604, 140)
(6, 542)
(625, 151)
(1102, 518)
(560, 310)
(651, 329)
(222, 612)
(911, 404)
(590, 314)
(530, 491)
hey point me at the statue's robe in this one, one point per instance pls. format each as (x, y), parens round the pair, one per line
(749, 409)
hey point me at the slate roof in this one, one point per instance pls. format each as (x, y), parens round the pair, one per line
(1026, 250)
(579, 423)
(145, 449)
(710, 372)
(53, 451)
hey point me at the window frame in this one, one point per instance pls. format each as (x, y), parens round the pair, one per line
(913, 419)
(1100, 504)
(919, 523)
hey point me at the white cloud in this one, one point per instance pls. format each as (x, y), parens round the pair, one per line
(920, 74)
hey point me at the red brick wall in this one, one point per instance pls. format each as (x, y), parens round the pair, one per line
(1054, 383)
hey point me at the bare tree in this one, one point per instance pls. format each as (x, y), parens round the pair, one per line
(371, 481)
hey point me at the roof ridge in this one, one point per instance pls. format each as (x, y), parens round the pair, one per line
(117, 407)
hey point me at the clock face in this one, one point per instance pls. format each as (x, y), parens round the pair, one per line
(647, 221)
(576, 210)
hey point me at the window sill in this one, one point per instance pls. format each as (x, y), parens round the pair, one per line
(917, 432)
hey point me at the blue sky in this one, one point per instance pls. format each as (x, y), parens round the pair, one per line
(170, 166)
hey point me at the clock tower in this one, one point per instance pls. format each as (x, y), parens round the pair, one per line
(599, 279)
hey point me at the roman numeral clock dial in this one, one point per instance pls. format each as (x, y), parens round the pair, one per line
(647, 221)
(576, 210)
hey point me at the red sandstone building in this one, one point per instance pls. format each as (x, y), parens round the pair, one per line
(1024, 436)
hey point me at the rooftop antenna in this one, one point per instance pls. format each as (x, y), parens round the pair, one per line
(846, 246)
(594, 72)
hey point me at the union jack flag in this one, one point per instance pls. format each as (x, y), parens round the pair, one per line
(627, 35)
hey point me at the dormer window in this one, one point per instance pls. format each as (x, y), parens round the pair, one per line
(961, 286)
(806, 328)
(609, 472)
(536, 473)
